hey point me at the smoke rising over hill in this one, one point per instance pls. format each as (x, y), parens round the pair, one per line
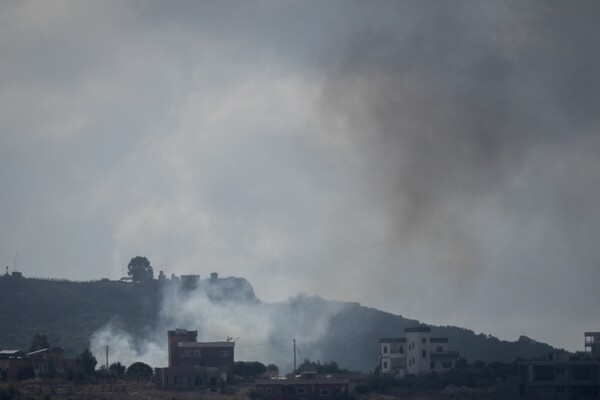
(434, 159)
(474, 127)
(215, 308)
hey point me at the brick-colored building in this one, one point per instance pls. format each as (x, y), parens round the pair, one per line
(12, 361)
(47, 362)
(195, 365)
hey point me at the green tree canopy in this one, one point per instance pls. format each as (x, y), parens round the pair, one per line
(330, 367)
(140, 270)
(117, 369)
(139, 370)
(87, 362)
(39, 342)
(249, 368)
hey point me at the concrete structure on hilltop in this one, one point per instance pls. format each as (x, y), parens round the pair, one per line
(562, 375)
(415, 354)
(195, 365)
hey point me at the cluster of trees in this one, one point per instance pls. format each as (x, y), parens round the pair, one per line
(252, 369)
(330, 367)
(39, 342)
(86, 370)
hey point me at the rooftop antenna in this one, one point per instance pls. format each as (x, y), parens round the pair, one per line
(15, 264)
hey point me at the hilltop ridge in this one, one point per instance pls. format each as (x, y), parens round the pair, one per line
(70, 312)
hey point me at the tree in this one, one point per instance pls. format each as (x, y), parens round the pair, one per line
(140, 270)
(87, 362)
(39, 342)
(139, 370)
(272, 369)
(248, 369)
(116, 369)
(330, 367)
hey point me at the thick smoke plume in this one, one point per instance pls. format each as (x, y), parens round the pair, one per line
(221, 309)
(475, 128)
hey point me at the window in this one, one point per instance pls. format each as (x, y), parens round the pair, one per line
(385, 365)
(432, 365)
(300, 390)
(325, 392)
(447, 364)
(175, 380)
(439, 349)
(198, 381)
(385, 349)
(424, 340)
(197, 354)
(560, 371)
(400, 349)
(269, 389)
(423, 353)
(560, 389)
(224, 353)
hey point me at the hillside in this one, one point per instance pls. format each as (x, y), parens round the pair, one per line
(70, 312)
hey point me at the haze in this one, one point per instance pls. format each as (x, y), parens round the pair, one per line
(437, 160)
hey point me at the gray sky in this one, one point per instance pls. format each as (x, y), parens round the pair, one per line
(433, 159)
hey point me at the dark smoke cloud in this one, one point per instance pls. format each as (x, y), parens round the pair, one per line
(470, 115)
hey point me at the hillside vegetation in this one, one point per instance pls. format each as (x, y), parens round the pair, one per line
(70, 312)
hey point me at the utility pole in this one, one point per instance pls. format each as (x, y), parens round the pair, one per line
(294, 356)
(106, 358)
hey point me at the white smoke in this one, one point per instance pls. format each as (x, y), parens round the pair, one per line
(263, 331)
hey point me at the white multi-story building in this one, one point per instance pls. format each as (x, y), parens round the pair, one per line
(415, 354)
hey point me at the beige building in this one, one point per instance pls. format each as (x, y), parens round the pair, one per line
(415, 354)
